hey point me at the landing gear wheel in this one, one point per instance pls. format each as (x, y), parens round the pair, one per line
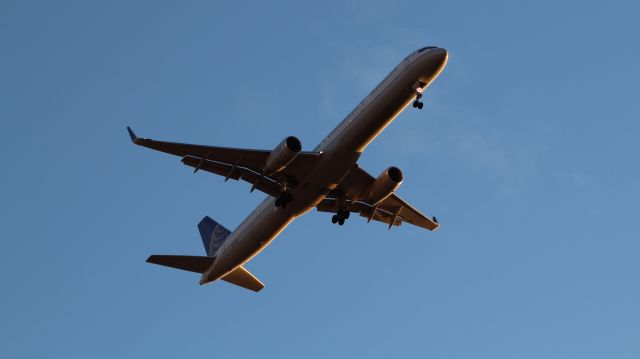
(343, 213)
(340, 216)
(278, 202)
(417, 103)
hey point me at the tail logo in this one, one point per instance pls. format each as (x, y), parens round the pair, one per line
(218, 236)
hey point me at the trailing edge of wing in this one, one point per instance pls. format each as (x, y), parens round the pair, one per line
(392, 210)
(258, 181)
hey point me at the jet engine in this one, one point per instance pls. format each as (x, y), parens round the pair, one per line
(384, 185)
(282, 155)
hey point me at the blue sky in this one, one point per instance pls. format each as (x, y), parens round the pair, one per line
(527, 151)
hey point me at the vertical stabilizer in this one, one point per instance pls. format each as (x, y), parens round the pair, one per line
(213, 235)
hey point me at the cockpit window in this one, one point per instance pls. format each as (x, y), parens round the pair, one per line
(426, 48)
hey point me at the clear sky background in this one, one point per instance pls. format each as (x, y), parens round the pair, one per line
(526, 150)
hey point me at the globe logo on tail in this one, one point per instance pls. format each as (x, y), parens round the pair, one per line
(218, 236)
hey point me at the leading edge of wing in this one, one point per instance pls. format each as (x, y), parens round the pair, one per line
(250, 158)
(229, 154)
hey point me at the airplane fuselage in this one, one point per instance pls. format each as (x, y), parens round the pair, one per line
(340, 151)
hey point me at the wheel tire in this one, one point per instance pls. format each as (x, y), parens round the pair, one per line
(341, 221)
(278, 202)
(420, 106)
(346, 214)
(415, 104)
(334, 219)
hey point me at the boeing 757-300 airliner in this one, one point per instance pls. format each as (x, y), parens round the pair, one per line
(327, 178)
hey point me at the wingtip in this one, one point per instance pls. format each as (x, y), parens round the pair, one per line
(437, 224)
(132, 135)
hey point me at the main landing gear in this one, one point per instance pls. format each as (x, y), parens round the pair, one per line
(340, 217)
(285, 196)
(283, 200)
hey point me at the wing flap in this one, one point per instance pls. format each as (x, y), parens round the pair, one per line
(243, 278)
(262, 183)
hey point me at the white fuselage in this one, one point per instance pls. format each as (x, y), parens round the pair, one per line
(339, 150)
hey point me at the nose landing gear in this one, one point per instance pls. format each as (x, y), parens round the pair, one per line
(417, 103)
(418, 87)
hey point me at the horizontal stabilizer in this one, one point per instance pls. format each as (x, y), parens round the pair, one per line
(243, 278)
(196, 264)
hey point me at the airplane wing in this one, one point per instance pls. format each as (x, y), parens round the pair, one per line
(233, 163)
(393, 210)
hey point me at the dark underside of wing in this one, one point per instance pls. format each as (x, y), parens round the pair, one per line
(235, 163)
(393, 210)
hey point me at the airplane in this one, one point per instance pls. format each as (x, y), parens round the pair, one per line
(327, 178)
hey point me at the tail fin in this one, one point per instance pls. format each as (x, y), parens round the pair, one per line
(213, 235)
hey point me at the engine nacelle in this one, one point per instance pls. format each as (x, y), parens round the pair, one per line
(386, 183)
(282, 155)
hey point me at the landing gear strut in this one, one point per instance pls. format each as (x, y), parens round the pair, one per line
(340, 216)
(283, 200)
(417, 103)
(285, 196)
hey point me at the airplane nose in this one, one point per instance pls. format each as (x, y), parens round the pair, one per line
(440, 54)
(432, 61)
